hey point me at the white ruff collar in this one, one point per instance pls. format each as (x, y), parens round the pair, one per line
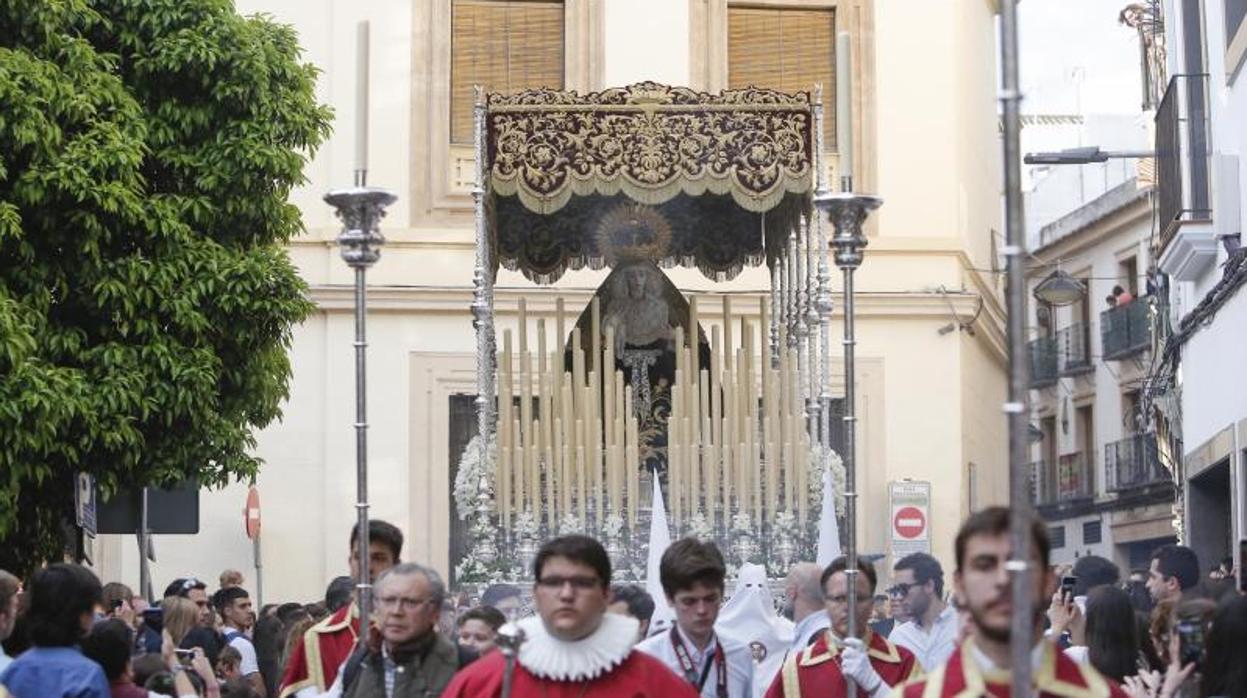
(604, 649)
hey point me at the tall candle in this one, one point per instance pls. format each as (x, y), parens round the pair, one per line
(361, 97)
(844, 104)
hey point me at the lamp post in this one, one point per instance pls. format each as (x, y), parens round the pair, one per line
(847, 212)
(361, 209)
(1083, 156)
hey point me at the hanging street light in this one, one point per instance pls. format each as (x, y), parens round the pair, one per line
(1059, 288)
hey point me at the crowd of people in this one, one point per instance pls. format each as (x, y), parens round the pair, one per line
(1162, 632)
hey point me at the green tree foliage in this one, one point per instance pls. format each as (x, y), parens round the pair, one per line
(147, 150)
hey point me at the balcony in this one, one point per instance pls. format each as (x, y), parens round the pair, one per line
(1043, 362)
(1184, 209)
(1075, 478)
(1132, 463)
(1125, 330)
(1074, 349)
(1071, 480)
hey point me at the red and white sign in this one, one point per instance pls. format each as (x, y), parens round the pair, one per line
(909, 522)
(910, 504)
(252, 513)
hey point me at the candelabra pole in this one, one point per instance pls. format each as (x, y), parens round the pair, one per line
(361, 209)
(847, 212)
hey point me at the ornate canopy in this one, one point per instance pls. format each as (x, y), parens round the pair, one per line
(729, 174)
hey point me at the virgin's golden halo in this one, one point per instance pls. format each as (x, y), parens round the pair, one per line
(633, 232)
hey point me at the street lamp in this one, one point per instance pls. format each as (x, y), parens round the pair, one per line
(1059, 288)
(1082, 156)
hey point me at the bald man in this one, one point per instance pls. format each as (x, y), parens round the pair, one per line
(805, 597)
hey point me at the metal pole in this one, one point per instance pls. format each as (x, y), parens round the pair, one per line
(259, 574)
(145, 570)
(363, 585)
(1020, 567)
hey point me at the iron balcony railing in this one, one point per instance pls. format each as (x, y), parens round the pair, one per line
(1043, 362)
(1182, 154)
(1133, 462)
(1074, 345)
(1125, 330)
(1043, 483)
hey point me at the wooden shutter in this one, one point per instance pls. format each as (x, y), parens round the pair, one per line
(785, 49)
(506, 46)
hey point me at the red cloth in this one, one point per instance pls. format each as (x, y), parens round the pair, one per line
(639, 676)
(315, 661)
(1057, 676)
(818, 668)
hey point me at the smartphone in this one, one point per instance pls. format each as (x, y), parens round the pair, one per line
(1068, 582)
(1190, 641)
(184, 656)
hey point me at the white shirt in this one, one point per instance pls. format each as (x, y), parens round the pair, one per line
(809, 627)
(739, 662)
(248, 665)
(932, 647)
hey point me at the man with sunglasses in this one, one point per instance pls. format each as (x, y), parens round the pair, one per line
(573, 648)
(692, 574)
(931, 632)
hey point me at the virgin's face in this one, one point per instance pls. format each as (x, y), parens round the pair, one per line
(636, 283)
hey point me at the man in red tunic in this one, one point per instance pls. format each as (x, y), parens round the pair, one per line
(573, 648)
(873, 663)
(314, 663)
(980, 667)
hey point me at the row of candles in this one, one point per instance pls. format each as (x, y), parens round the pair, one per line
(736, 437)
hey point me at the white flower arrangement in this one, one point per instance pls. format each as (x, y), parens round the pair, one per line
(699, 527)
(468, 478)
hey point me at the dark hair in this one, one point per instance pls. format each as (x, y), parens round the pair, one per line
(338, 593)
(1112, 633)
(382, 532)
(486, 614)
(841, 564)
(1094, 571)
(112, 593)
(1225, 674)
(269, 640)
(290, 612)
(1179, 562)
(207, 639)
(224, 598)
(689, 561)
(108, 644)
(145, 666)
(925, 568)
(1140, 598)
(238, 687)
(994, 521)
(496, 593)
(640, 603)
(182, 586)
(59, 596)
(229, 655)
(579, 549)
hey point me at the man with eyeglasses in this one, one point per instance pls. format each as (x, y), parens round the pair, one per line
(931, 633)
(573, 648)
(692, 574)
(313, 665)
(404, 656)
(874, 664)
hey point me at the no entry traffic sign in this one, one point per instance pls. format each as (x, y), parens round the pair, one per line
(909, 522)
(911, 518)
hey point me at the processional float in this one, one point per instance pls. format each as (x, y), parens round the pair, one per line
(576, 415)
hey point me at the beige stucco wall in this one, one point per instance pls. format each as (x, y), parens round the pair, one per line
(929, 403)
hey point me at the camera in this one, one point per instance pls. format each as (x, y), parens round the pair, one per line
(1068, 582)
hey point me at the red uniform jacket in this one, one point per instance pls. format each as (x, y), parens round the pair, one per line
(325, 646)
(815, 671)
(639, 676)
(1057, 675)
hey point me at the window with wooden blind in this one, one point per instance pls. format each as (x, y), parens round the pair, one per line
(785, 49)
(505, 46)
